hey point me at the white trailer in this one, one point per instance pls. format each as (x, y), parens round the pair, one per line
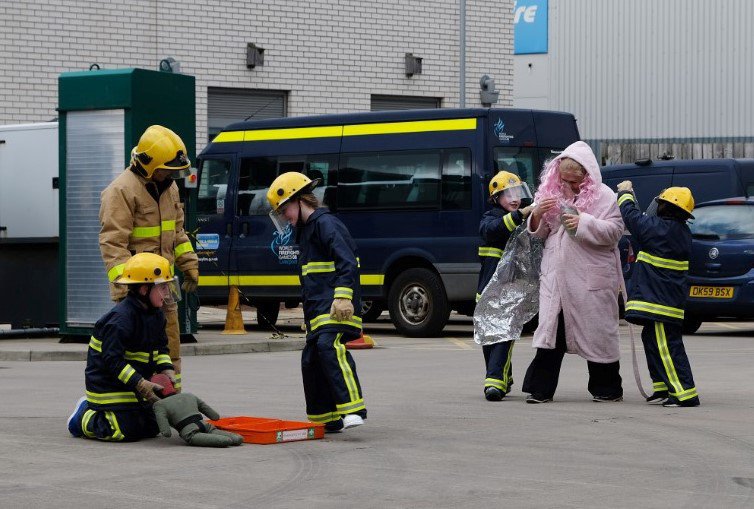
(28, 181)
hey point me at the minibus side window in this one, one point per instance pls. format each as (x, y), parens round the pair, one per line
(390, 180)
(254, 178)
(319, 167)
(213, 186)
(518, 160)
(456, 179)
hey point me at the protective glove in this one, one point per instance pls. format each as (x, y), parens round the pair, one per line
(526, 211)
(191, 280)
(170, 374)
(626, 185)
(146, 389)
(341, 309)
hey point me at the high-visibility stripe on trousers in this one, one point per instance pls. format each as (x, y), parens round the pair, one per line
(119, 425)
(331, 386)
(667, 360)
(497, 359)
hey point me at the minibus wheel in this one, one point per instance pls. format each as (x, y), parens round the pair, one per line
(418, 304)
(267, 313)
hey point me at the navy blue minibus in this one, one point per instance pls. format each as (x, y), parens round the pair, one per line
(411, 186)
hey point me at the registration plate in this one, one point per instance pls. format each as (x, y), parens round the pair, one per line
(711, 292)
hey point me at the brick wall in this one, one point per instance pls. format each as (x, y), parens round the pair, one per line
(329, 55)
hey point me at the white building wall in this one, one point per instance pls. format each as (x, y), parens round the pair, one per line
(330, 55)
(645, 70)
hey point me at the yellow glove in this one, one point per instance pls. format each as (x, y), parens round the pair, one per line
(527, 210)
(146, 389)
(626, 185)
(191, 280)
(341, 309)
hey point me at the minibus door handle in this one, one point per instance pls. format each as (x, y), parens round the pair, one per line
(244, 230)
(228, 230)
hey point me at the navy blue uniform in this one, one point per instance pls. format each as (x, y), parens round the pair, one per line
(329, 270)
(129, 343)
(495, 228)
(657, 295)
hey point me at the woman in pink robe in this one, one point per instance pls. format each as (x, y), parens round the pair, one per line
(579, 218)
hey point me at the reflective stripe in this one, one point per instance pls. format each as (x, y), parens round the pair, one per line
(351, 407)
(126, 373)
(323, 418)
(343, 292)
(115, 272)
(505, 383)
(183, 248)
(663, 263)
(297, 133)
(478, 296)
(319, 321)
(95, 344)
(163, 358)
(313, 267)
(110, 398)
(168, 225)
(624, 198)
(117, 435)
(667, 361)
(144, 232)
(509, 223)
(659, 386)
(345, 370)
(654, 309)
(85, 422)
(494, 382)
(137, 356)
(178, 384)
(420, 126)
(492, 252)
(252, 280)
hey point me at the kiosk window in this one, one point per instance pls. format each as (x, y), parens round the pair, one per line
(213, 186)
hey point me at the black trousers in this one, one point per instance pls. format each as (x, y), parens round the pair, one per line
(497, 360)
(331, 386)
(119, 425)
(544, 371)
(667, 361)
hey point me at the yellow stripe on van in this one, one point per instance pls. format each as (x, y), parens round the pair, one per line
(228, 136)
(420, 126)
(249, 280)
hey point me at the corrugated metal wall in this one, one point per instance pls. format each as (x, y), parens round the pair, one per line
(678, 72)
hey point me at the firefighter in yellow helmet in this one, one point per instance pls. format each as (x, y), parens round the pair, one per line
(508, 195)
(141, 211)
(331, 293)
(128, 346)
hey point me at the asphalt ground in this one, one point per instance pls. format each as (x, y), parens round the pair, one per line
(431, 440)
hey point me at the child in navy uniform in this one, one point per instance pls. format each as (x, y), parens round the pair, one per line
(657, 290)
(506, 193)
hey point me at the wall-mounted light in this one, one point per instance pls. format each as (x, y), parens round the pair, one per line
(254, 55)
(413, 65)
(488, 95)
(170, 64)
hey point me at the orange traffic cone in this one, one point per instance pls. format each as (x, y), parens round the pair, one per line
(361, 343)
(233, 317)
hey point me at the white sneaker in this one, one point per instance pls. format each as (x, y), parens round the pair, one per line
(73, 427)
(352, 420)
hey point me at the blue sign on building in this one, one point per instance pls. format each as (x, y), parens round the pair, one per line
(530, 27)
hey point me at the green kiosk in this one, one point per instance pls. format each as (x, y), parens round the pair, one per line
(102, 114)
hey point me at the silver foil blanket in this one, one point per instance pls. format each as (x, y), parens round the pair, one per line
(511, 298)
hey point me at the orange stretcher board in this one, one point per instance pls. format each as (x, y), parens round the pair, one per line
(265, 430)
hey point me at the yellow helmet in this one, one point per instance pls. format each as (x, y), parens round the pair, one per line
(160, 148)
(502, 181)
(145, 268)
(288, 185)
(681, 197)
